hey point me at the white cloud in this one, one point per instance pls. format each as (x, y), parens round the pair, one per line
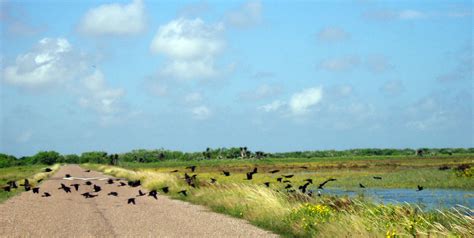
(191, 47)
(201, 112)
(410, 14)
(273, 106)
(99, 97)
(339, 64)
(247, 15)
(332, 34)
(114, 19)
(50, 62)
(302, 101)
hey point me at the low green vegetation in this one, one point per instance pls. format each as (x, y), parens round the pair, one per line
(18, 174)
(299, 215)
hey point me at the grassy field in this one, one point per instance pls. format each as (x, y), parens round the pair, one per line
(32, 172)
(298, 215)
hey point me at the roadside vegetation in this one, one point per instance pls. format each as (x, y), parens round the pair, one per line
(296, 214)
(18, 174)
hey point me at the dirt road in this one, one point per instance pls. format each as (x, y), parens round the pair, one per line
(70, 214)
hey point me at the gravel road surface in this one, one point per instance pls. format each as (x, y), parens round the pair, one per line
(71, 215)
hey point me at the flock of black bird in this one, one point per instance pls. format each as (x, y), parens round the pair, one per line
(189, 179)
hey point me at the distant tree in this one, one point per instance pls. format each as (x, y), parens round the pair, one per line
(7, 160)
(47, 157)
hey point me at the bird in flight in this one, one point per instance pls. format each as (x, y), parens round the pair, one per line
(76, 186)
(267, 184)
(113, 194)
(45, 194)
(88, 195)
(153, 193)
(288, 176)
(140, 193)
(165, 189)
(419, 188)
(309, 180)
(361, 186)
(226, 173)
(275, 171)
(325, 182)
(131, 200)
(376, 177)
(279, 179)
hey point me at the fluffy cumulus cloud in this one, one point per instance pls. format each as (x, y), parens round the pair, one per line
(332, 34)
(100, 97)
(247, 15)
(52, 61)
(339, 64)
(299, 103)
(190, 46)
(114, 19)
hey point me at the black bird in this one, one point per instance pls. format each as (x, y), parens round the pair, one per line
(267, 184)
(135, 183)
(88, 183)
(165, 189)
(36, 190)
(122, 184)
(419, 188)
(304, 167)
(39, 181)
(45, 194)
(7, 188)
(47, 170)
(110, 181)
(65, 188)
(113, 194)
(140, 193)
(226, 173)
(27, 187)
(131, 200)
(213, 180)
(445, 167)
(174, 171)
(67, 176)
(12, 184)
(288, 176)
(376, 177)
(361, 186)
(62, 186)
(309, 180)
(288, 186)
(279, 179)
(97, 188)
(26, 183)
(325, 182)
(286, 181)
(190, 180)
(249, 175)
(153, 193)
(183, 192)
(87, 171)
(254, 170)
(275, 171)
(76, 186)
(192, 167)
(88, 195)
(303, 187)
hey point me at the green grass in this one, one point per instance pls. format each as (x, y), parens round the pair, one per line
(297, 215)
(19, 173)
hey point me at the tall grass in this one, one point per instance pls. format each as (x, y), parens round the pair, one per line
(33, 173)
(298, 215)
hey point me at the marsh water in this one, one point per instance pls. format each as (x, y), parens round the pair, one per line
(426, 199)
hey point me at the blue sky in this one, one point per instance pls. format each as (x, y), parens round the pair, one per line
(270, 75)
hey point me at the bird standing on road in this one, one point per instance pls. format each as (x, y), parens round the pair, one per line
(140, 193)
(76, 186)
(153, 193)
(113, 194)
(131, 200)
(165, 189)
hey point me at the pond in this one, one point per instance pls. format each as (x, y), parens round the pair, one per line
(426, 199)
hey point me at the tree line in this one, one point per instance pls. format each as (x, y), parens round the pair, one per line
(148, 156)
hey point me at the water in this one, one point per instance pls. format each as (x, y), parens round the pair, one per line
(427, 198)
